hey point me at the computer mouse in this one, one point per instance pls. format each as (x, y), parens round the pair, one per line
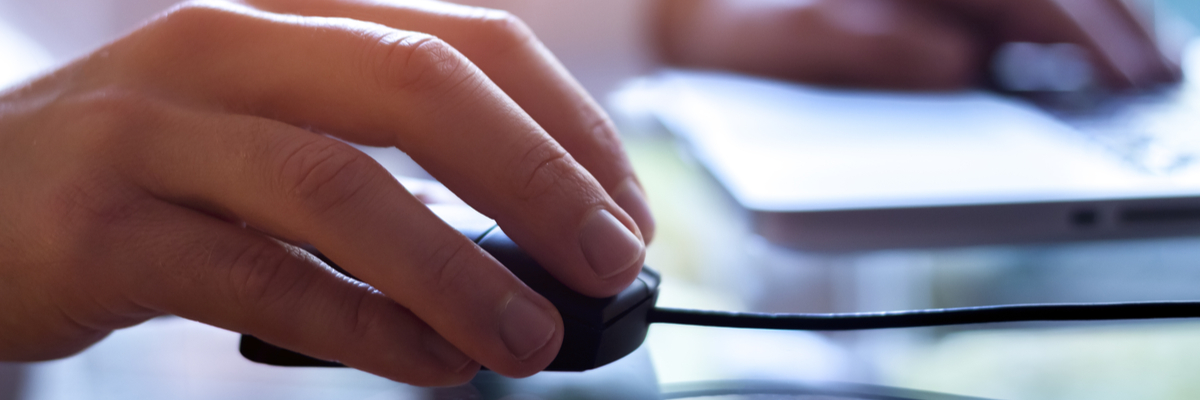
(597, 331)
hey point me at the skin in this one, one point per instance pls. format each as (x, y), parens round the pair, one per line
(904, 44)
(172, 171)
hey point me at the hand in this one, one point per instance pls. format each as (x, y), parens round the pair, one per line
(905, 44)
(169, 171)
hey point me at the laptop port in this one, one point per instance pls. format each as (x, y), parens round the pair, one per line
(1085, 218)
(1160, 215)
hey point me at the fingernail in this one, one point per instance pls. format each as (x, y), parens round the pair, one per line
(525, 327)
(631, 199)
(609, 247)
(445, 352)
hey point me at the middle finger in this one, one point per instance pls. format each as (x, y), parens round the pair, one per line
(512, 57)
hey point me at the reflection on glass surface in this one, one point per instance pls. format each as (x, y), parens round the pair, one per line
(707, 266)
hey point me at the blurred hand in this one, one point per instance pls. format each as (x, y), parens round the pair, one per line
(905, 44)
(169, 171)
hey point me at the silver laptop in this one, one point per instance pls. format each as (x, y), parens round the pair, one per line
(835, 170)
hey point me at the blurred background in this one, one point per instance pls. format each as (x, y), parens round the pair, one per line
(710, 258)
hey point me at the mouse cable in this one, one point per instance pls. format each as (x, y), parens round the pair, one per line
(797, 388)
(930, 317)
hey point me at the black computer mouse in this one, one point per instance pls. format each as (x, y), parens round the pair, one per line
(596, 331)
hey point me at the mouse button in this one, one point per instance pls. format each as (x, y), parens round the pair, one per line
(651, 277)
(465, 219)
(634, 294)
(625, 334)
(580, 344)
(571, 304)
(254, 349)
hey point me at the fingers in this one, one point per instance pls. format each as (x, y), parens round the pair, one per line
(872, 43)
(507, 51)
(879, 43)
(208, 270)
(1128, 47)
(1125, 52)
(308, 188)
(381, 86)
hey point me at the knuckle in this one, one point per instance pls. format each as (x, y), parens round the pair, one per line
(543, 169)
(601, 126)
(89, 207)
(86, 198)
(191, 32)
(203, 14)
(192, 20)
(498, 32)
(86, 222)
(416, 62)
(325, 174)
(605, 155)
(445, 265)
(111, 117)
(365, 318)
(261, 275)
(279, 6)
(604, 130)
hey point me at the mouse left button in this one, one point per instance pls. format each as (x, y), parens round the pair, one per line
(255, 349)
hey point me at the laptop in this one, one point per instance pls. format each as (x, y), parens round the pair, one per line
(834, 170)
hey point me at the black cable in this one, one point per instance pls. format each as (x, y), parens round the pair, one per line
(931, 317)
(793, 388)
